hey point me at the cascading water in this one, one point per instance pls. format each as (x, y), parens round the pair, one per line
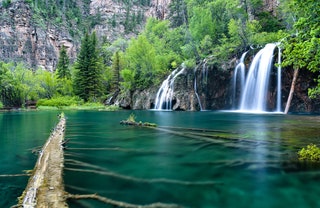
(239, 71)
(254, 96)
(279, 81)
(165, 92)
(195, 88)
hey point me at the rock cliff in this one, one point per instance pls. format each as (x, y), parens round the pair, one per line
(125, 18)
(22, 40)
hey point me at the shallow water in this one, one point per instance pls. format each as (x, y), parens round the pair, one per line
(20, 132)
(209, 159)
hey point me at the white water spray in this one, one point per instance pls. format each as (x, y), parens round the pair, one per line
(165, 92)
(254, 96)
(239, 70)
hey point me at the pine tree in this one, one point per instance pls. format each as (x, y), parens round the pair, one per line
(116, 71)
(88, 79)
(63, 70)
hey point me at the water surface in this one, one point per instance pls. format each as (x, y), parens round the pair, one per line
(20, 132)
(193, 159)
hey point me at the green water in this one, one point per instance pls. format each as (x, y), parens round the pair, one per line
(235, 160)
(19, 133)
(194, 159)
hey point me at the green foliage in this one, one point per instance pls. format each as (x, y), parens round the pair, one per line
(302, 50)
(1, 105)
(6, 3)
(128, 80)
(141, 60)
(69, 14)
(131, 118)
(117, 65)
(11, 90)
(60, 101)
(63, 70)
(88, 83)
(310, 153)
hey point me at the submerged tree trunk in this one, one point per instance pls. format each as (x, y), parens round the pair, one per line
(294, 80)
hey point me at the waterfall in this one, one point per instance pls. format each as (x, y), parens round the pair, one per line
(195, 86)
(254, 96)
(240, 68)
(204, 72)
(165, 92)
(279, 81)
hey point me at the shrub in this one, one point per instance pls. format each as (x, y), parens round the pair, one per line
(310, 153)
(1, 105)
(60, 101)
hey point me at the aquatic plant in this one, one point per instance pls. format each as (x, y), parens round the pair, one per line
(310, 153)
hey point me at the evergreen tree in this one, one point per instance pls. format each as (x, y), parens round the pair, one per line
(63, 70)
(116, 71)
(88, 79)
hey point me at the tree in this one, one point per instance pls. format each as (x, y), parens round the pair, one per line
(88, 77)
(116, 67)
(302, 50)
(11, 92)
(63, 70)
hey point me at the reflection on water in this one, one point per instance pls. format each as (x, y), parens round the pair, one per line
(194, 159)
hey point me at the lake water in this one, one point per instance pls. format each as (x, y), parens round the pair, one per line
(193, 159)
(20, 132)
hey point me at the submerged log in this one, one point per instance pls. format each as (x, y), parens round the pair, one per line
(120, 203)
(134, 123)
(45, 187)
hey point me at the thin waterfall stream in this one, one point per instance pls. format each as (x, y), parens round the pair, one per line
(239, 70)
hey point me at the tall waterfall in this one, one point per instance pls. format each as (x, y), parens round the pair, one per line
(255, 93)
(165, 92)
(239, 75)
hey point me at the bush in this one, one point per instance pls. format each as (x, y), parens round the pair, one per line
(60, 101)
(1, 105)
(310, 153)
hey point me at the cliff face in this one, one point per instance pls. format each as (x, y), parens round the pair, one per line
(125, 20)
(22, 40)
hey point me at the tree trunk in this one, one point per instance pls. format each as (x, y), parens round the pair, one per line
(294, 80)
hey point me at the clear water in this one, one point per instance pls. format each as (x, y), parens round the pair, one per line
(240, 160)
(20, 132)
(214, 159)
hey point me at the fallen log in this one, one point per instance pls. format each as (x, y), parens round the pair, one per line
(45, 187)
(133, 123)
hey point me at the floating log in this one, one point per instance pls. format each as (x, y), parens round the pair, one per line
(45, 187)
(134, 123)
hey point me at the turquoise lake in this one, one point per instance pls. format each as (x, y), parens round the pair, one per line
(192, 159)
